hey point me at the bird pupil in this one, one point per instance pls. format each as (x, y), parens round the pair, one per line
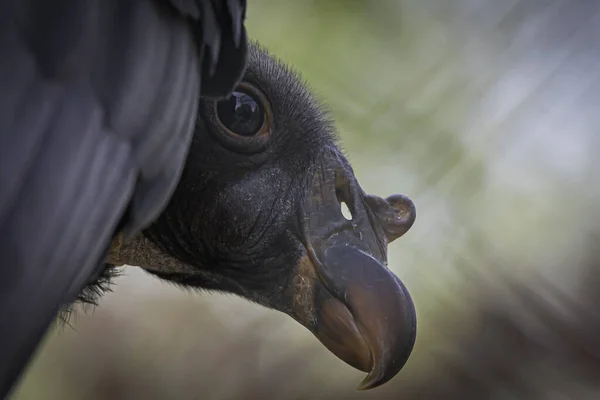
(241, 113)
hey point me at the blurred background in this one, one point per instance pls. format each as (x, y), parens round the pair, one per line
(486, 114)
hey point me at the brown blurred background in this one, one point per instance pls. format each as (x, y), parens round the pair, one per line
(486, 114)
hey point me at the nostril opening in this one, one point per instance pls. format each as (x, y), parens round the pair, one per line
(346, 211)
(342, 200)
(344, 191)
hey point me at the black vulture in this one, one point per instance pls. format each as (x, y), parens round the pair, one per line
(97, 110)
(258, 213)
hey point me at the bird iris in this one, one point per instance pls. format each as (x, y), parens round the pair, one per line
(241, 113)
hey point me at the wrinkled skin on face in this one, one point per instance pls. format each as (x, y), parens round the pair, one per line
(259, 215)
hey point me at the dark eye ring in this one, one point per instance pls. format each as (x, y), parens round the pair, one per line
(245, 115)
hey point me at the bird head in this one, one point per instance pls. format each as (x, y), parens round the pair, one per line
(258, 213)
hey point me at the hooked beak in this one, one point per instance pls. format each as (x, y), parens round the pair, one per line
(343, 292)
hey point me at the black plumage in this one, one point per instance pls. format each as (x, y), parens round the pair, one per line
(97, 110)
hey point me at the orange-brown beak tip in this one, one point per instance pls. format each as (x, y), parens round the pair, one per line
(364, 314)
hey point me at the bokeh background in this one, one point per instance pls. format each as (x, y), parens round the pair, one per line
(486, 114)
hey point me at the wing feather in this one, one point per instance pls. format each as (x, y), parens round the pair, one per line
(97, 110)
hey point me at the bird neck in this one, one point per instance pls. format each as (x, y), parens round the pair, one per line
(141, 252)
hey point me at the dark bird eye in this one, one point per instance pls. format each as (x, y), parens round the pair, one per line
(242, 113)
(243, 122)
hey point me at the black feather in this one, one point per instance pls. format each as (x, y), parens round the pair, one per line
(97, 109)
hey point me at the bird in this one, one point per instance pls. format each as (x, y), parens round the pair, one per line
(97, 111)
(258, 214)
(217, 170)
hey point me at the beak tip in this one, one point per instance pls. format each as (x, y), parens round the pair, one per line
(367, 384)
(372, 380)
(378, 377)
(383, 372)
(386, 317)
